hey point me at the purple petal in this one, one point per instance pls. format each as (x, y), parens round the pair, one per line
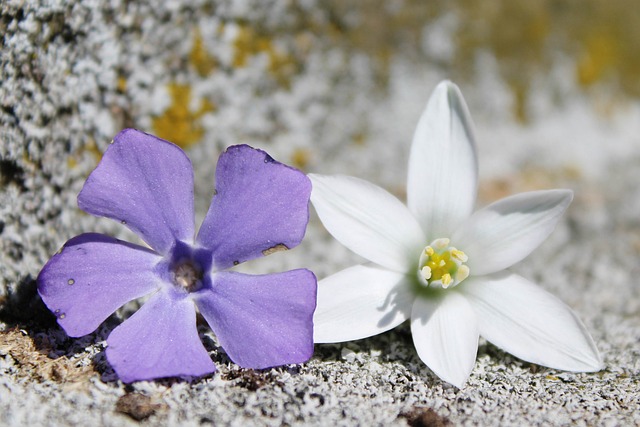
(262, 321)
(260, 206)
(92, 276)
(160, 340)
(147, 184)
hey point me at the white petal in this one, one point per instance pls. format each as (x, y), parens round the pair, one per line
(443, 166)
(508, 230)
(445, 333)
(360, 302)
(530, 323)
(368, 220)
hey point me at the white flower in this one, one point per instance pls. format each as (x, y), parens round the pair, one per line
(440, 264)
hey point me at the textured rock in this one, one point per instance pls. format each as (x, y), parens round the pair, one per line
(330, 90)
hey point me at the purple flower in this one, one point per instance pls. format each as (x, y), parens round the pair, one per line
(259, 206)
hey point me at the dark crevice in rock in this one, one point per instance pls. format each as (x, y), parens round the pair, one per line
(24, 308)
(11, 173)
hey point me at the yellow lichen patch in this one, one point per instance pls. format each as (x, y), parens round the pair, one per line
(525, 38)
(178, 123)
(608, 39)
(520, 93)
(601, 55)
(517, 34)
(359, 138)
(121, 84)
(93, 149)
(203, 62)
(300, 158)
(282, 66)
(90, 148)
(378, 30)
(243, 47)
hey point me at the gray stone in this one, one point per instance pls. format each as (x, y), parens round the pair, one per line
(290, 77)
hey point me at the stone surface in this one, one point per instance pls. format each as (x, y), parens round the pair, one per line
(329, 90)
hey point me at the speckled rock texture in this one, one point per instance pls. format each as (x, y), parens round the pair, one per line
(327, 88)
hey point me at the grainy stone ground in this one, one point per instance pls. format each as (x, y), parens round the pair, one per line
(297, 79)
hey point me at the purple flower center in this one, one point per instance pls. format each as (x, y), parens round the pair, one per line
(186, 267)
(187, 275)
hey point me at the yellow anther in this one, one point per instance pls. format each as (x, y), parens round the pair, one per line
(441, 243)
(463, 273)
(446, 280)
(442, 265)
(426, 272)
(459, 255)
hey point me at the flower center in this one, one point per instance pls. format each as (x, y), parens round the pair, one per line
(442, 265)
(187, 275)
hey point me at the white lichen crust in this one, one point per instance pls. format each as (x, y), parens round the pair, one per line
(73, 73)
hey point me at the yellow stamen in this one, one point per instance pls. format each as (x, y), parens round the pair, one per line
(459, 255)
(442, 265)
(446, 280)
(463, 273)
(441, 244)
